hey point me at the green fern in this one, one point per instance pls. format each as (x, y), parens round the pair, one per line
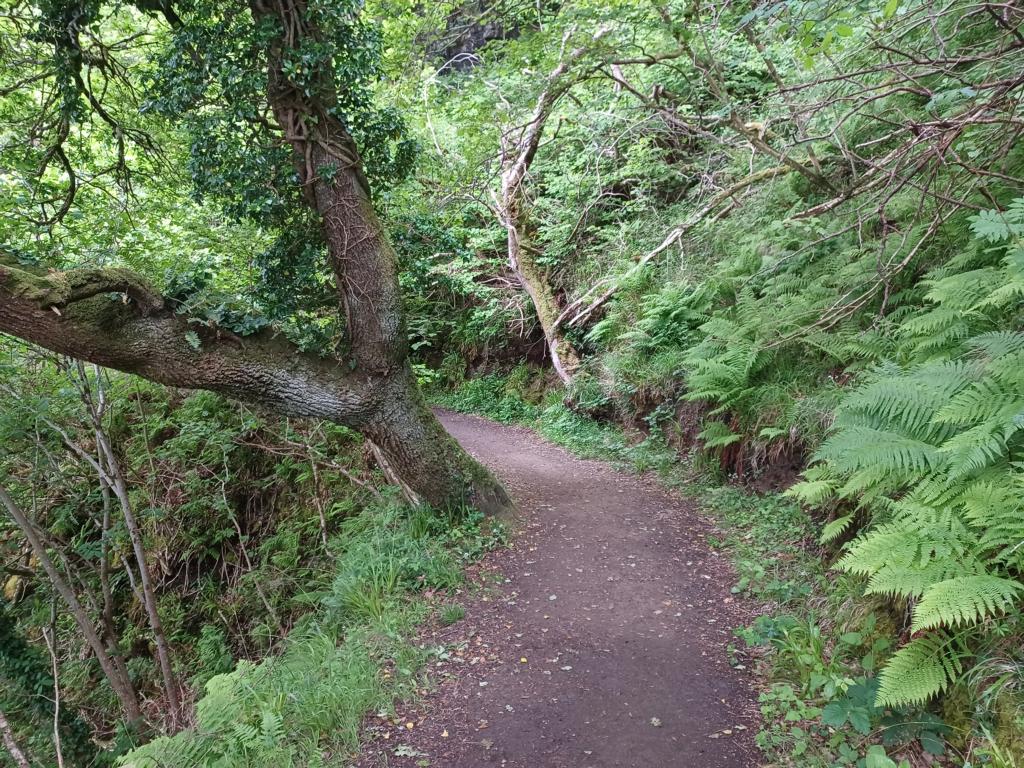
(717, 435)
(858, 448)
(964, 600)
(834, 529)
(906, 580)
(811, 492)
(919, 671)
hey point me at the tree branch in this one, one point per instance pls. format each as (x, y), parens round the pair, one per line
(673, 236)
(113, 318)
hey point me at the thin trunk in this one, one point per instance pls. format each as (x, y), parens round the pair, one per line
(564, 357)
(149, 600)
(318, 500)
(107, 611)
(517, 154)
(51, 645)
(10, 744)
(122, 687)
(114, 477)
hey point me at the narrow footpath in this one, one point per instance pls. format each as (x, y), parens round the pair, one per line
(603, 644)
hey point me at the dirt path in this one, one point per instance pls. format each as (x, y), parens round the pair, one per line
(621, 612)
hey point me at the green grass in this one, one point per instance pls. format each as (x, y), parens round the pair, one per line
(350, 655)
(452, 614)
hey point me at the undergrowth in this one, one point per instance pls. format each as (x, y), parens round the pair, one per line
(350, 655)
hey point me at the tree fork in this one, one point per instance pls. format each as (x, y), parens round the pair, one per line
(143, 337)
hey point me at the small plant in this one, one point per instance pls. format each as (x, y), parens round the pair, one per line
(452, 614)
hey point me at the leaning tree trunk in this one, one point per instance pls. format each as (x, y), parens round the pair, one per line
(75, 313)
(10, 744)
(522, 259)
(518, 149)
(121, 684)
(372, 390)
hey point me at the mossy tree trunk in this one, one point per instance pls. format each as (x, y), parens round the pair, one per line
(532, 276)
(372, 391)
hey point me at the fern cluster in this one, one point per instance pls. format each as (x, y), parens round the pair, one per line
(931, 446)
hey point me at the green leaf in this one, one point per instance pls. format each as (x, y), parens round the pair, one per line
(932, 743)
(860, 719)
(876, 758)
(834, 714)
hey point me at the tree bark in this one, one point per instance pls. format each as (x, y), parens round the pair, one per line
(564, 357)
(10, 744)
(415, 449)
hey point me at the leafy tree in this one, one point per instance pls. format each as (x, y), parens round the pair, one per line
(276, 102)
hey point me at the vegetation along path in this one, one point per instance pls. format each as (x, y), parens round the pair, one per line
(605, 645)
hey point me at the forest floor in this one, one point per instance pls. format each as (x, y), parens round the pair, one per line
(599, 640)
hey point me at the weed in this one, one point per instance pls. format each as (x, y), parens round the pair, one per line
(452, 614)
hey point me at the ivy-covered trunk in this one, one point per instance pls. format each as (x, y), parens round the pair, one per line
(370, 389)
(412, 446)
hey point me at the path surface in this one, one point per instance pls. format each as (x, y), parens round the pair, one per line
(621, 612)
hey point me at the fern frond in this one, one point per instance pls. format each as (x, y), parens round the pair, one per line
(964, 290)
(918, 671)
(855, 448)
(717, 435)
(911, 581)
(995, 509)
(998, 343)
(964, 600)
(886, 545)
(834, 529)
(811, 492)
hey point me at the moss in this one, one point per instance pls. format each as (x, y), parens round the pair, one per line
(957, 709)
(42, 290)
(1008, 731)
(57, 289)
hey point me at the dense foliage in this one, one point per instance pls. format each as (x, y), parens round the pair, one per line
(790, 235)
(785, 240)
